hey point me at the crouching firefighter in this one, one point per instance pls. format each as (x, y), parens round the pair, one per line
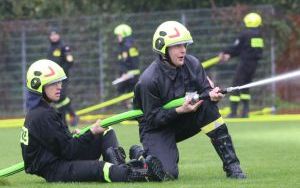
(171, 76)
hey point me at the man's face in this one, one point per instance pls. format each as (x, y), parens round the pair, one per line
(54, 37)
(53, 91)
(177, 54)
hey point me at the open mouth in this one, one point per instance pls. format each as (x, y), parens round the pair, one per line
(181, 58)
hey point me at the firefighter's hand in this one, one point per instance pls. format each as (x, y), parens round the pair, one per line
(215, 95)
(76, 131)
(96, 128)
(188, 106)
(224, 57)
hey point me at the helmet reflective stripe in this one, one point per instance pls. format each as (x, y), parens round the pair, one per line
(168, 34)
(43, 72)
(252, 20)
(124, 30)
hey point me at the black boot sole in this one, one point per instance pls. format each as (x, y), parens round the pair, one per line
(155, 168)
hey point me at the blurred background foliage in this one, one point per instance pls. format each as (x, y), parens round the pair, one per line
(28, 9)
(283, 26)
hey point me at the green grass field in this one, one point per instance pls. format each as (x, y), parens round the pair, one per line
(269, 153)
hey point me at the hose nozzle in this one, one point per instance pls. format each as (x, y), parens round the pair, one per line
(229, 90)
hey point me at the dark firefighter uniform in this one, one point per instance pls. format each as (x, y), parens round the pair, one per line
(249, 47)
(61, 54)
(160, 129)
(128, 58)
(50, 151)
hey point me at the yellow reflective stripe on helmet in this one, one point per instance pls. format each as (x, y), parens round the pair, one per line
(133, 52)
(245, 96)
(107, 130)
(134, 72)
(213, 125)
(257, 43)
(106, 171)
(66, 101)
(234, 98)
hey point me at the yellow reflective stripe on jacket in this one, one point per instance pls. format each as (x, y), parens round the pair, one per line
(134, 72)
(133, 52)
(63, 103)
(56, 53)
(213, 125)
(106, 171)
(245, 96)
(234, 98)
(257, 43)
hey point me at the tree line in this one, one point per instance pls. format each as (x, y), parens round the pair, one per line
(35, 9)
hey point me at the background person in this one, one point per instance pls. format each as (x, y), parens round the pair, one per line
(249, 47)
(128, 60)
(61, 54)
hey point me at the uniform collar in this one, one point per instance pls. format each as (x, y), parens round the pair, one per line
(169, 70)
(32, 99)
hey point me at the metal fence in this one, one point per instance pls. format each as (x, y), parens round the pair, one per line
(94, 47)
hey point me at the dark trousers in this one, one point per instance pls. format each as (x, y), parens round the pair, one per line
(243, 75)
(85, 167)
(162, 142)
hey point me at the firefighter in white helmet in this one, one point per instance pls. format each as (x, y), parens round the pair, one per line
(49, 150)
(175, 74)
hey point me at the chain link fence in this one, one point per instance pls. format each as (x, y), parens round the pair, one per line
(95, 51)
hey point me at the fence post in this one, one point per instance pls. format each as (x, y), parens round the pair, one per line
(23, 61)
(273, 64)
(100, 61)
(183, 18)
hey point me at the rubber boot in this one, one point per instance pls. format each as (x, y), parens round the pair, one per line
(233, 108)
(222, 143)
(115, 155)
(136, 152)
(245, 111)
(151, 170)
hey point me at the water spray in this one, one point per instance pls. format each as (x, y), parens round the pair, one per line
(263, 82)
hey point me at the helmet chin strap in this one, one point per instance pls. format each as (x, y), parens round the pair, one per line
(45, 97)
(166, 58)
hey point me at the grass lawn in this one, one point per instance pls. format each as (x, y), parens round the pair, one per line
(269, 153)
